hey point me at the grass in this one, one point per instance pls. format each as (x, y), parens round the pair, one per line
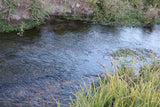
(123, 53)
(38, 15)
(10, 4)
(127, 12)
(28, 24)
(140, 55)
(122, 12)
(123, 88)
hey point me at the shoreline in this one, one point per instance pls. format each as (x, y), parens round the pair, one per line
(23, 15)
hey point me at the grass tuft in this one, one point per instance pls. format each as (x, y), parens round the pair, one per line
(123, 88)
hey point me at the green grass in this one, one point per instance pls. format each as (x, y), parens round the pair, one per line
(140, 55)
(122, 12)
(38, 15)
(123, 53)
(123, 88)
(28, 24)
(126, 12)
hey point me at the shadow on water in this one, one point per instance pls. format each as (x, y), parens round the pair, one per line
(48, 62)
(61, 27)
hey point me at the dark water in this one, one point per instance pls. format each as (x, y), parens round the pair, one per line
(48, 62)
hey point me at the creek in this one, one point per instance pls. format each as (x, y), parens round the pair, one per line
(48, 62)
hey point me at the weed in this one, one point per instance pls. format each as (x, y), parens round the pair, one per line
(37, 12)
(123, 89)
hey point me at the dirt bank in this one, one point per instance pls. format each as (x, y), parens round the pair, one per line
(16, 11)
(19, 15)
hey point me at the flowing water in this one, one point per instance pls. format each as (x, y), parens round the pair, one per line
(46, 64)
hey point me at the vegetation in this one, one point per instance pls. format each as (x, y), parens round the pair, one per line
(107, 12)
(140, 55)
(38, 15)
(123, 53)
(5, 27)
(123, 88)
(127, 12)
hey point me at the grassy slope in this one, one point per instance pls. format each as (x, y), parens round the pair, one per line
(38, 15)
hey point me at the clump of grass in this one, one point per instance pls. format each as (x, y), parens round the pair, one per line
(9, 6)
(123, 89)
(115, 10)
(123, 53)
(37, 12)
(28, 24)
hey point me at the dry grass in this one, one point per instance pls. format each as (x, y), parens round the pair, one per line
(123, 89)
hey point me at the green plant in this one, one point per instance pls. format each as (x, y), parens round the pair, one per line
(38, 15)
(123, 89)
(37, 12)
(152, 2)
(9, 6)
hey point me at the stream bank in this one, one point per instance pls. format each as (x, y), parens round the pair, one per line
(17, 15)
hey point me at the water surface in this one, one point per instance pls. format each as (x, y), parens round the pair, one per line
(48, 62)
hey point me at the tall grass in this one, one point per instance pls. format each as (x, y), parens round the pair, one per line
(126, 12)
(123, 88)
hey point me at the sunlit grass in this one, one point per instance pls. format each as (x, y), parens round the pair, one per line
(123, 88)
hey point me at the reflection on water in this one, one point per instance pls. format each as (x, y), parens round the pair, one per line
(52, 59)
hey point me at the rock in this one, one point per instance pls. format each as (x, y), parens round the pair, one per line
(78, 5)
(15, 17)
